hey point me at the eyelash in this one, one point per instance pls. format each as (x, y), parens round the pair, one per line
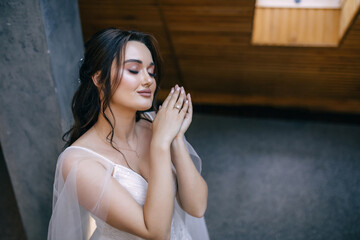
(136, 72)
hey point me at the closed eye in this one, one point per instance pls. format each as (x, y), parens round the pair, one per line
(136, 72)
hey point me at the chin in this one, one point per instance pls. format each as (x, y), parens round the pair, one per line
(142, 104)
(145, 105)
(144, 108)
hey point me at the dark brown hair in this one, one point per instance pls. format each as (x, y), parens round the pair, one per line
(101, 50)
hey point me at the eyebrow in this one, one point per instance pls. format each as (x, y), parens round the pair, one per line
(138, 61)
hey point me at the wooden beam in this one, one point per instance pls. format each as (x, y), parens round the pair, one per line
(347, 14)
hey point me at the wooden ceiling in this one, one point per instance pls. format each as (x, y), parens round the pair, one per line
(206, 45)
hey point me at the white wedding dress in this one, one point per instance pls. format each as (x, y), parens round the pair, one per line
(71, 221)
(136, 185)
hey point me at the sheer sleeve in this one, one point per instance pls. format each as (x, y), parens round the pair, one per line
(196, 226)
(80, 188)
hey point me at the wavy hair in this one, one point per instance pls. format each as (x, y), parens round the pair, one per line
(101, 50)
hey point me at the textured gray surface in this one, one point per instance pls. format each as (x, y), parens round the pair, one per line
(65, 43)
(10, 220)
(273, 179)
(36, 80)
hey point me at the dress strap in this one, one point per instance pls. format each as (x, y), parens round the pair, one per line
(93, 152)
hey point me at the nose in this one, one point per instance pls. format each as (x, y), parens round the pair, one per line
(147, 79)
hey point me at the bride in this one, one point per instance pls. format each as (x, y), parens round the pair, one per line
(127, 171)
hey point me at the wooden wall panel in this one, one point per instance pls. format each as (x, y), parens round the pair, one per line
(348, 12)
(296, 27)
(207, 46)
(127, 15)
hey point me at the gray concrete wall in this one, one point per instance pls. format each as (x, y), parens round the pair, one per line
(64, 40)
(41, 44)
(10, 220)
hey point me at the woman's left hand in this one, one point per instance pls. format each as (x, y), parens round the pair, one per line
(187, 120)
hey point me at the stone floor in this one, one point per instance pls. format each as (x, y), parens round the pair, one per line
(277, 179)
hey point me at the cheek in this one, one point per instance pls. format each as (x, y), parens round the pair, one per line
(129, 81)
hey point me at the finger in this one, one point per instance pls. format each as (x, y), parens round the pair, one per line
(184, 92)
(188, 115)
(166, 101)
(173, 99)
(181, 98)
(185, 108)
(190, 110)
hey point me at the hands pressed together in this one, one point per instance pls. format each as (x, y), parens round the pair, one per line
(174, 116)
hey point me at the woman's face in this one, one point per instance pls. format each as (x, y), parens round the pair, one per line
(137, 85)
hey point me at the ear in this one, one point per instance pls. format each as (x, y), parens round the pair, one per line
(96, 78)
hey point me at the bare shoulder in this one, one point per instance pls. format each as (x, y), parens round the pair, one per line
(88, 140)
(81, 154)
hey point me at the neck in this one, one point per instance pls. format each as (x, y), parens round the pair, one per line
(124, 126)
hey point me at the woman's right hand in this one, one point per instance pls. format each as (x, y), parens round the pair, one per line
(170, 117)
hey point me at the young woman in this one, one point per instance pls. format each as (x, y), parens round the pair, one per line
(128, 171)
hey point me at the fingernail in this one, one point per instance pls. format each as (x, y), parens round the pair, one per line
(172, 90)
(182, 90)
(177, 88)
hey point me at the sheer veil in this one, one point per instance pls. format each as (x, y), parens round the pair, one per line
(82, 177)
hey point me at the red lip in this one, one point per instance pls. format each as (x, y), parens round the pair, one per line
(145, 91)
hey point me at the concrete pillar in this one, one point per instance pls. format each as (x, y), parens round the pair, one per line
(41, 44)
